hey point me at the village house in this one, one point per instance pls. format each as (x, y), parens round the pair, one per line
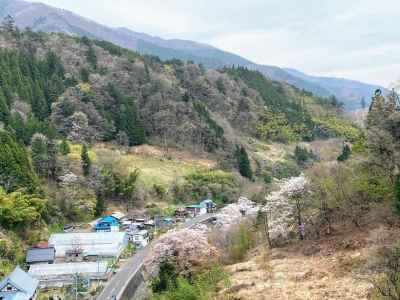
(204, 207)
(90, 244)
(40, 255)
(107, 224)
(209, 204)
(140, 238)
(18, 286)
(64, 274)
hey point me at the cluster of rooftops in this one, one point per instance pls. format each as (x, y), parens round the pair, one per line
(56, 262)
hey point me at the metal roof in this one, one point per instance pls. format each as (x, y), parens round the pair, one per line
(25, 284)
(95, 243)
(84, 268)
(109, 219)
(40, 255)
(117, 214)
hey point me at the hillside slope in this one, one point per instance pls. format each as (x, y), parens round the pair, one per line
(42, 17)
(95, 91)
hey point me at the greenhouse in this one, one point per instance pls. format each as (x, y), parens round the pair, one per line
(101, 244)
(59, 275)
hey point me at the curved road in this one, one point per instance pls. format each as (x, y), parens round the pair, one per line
(119, 282)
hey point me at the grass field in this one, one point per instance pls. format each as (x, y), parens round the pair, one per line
(153, 169)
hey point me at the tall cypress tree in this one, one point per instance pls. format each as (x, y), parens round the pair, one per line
(64, 148)
(127, 118)
(40, 158)
(133, 125)
(85, 161)
(100, 206)
(92, 57)
(396, 203)
(15, 168)
(243, 162)
(4, 110)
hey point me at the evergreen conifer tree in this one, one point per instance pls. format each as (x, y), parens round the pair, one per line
(85, 161)
(346, 152)
(243, 162)
(4, 110)
(40, 158)
(100, 206)
(397, 195)
(92, 57)
(52, 159)
(64, 148)
(15, 168)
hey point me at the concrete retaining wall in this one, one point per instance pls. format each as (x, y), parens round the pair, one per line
(133, 286)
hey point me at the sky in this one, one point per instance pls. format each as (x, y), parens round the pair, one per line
(355, 39)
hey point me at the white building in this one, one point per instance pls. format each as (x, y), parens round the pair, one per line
(139, 237)
(59, 275)
(101, 244)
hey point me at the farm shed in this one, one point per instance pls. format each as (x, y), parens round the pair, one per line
(40, 255)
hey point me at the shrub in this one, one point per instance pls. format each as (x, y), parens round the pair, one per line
(346, 152)
(388, 285)
(160, 190)
(303, 156)
(240, 240)
(285, 169)
(221, 186)
(169, 286)
(18, 210)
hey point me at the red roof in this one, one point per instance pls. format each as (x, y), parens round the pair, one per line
(42, 245)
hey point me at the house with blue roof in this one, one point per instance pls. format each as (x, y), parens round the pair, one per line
(209, 204)
(204, 207)
(18, 286)
(107, 224)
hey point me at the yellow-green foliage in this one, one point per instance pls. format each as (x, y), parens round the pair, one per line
(18, 210)
(85, 88)
(275, 127)
(338, 126)
(11, 253)
(76, 150)
(211, 176)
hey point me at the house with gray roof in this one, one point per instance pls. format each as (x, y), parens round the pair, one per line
(18, 286)
(40, 255)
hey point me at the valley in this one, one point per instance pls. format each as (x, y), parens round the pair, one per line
(172, 170)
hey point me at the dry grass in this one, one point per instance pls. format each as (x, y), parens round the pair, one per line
(334, 272)
(154, 168)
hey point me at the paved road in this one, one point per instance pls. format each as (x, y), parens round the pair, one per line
(119, 282)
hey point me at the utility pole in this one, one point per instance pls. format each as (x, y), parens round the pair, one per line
(76, 286)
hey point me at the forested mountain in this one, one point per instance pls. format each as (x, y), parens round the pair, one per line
(61, 96)
(94, 91)
(41, 17)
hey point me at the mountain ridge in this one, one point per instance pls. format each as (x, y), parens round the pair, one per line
(42, 17)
